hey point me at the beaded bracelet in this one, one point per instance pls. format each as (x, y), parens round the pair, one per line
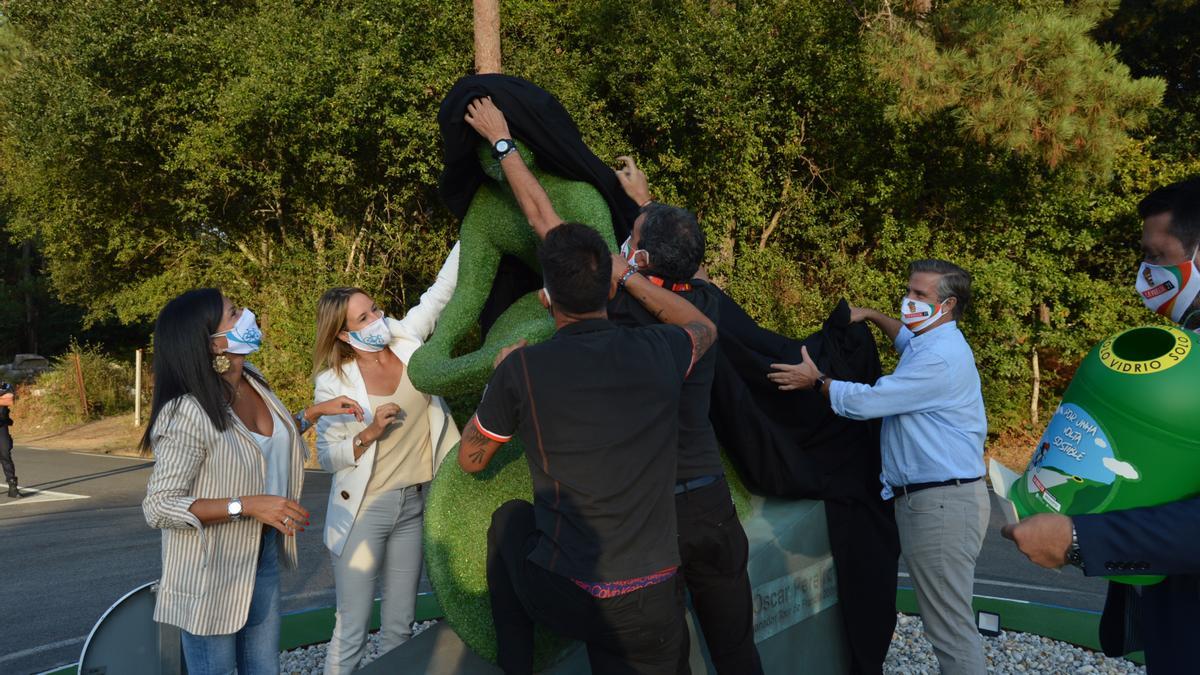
(302, 421)
(625, 277)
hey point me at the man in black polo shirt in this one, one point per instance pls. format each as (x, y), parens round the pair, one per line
(596, 556)
(667, 246)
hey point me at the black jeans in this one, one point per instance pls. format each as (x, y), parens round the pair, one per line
(714, 550)
(6, 463)
(639, 632)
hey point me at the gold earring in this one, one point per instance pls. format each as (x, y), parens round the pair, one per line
(220, 363)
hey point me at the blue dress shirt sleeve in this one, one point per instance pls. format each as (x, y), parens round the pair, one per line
(903, 337)
(917, 385)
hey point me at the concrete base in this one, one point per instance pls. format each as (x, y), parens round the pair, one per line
(797, 621)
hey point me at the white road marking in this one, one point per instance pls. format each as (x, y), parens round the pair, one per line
(43, 648)
(36, 496)
(1009, 584)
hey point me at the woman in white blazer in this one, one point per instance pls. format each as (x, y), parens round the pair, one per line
(225, 486)
(382, 464)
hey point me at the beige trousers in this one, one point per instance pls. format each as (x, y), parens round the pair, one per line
(382, 550)
(941, 534)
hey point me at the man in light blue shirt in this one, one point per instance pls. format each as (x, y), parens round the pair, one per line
(932, 436)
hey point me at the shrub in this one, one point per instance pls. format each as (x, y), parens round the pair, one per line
(52, 401)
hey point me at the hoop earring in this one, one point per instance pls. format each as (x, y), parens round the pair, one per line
(220, 363)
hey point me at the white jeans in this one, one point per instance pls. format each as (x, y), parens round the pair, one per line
(941, 534)
(384, 546)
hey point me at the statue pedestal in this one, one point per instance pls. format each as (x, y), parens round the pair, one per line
(797, 621)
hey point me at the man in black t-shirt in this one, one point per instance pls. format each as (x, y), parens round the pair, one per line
(667, 246)
(596, 556)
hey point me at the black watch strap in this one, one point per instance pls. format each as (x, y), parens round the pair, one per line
(819, 383)
(503, 147)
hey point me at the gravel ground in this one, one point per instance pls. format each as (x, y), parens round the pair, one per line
(311, 660)
(1007, 653)
(910, 653)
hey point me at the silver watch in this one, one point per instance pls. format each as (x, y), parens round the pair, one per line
(1074, 556)
(234, 508)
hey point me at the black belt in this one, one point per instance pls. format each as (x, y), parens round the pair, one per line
(917, 487)
(694, 484)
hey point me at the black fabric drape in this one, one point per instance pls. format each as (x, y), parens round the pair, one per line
(539, 121)
(791, 444)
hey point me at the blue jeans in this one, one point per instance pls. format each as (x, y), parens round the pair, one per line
(253, 650)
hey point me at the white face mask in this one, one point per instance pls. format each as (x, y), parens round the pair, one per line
(631, 256)
(1169, 289)
(244, 337)
(372, 337)
(919, 315)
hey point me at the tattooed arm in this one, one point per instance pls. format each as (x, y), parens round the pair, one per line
(668, 307)
(477, 447)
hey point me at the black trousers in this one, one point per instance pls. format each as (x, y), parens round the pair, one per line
(6, 463)
(714, 550)
(639, 632)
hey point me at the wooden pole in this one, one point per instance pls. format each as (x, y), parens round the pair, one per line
(83, 402)
(137, 388)
(487, 36)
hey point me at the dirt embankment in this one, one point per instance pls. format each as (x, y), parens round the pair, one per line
(109, 436)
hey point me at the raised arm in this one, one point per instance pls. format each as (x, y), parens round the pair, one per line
(889, 326)
(666, 306)
(486, 119)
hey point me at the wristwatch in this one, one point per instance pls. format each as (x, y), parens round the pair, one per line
(1074, 556)
(502, 147)
(234, 508)
(819, 383)
(358, 443)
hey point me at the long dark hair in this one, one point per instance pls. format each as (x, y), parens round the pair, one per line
(183, 360)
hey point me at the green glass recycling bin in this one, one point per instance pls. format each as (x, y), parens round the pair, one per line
(1126, 433)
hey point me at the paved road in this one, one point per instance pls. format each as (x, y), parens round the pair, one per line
(65, 560)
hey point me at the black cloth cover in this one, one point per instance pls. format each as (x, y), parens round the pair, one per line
(791, 444)
(538, 120)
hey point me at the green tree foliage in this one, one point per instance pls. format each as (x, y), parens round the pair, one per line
(281, 146)
(1023, 75)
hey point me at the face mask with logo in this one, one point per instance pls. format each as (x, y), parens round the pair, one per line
(244, 337)
(372, 337)
(630, 256)
(1169, 289)
(918, 315)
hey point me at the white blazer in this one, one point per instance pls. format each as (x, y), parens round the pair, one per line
(335, 433)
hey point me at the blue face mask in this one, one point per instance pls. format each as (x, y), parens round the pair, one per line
(244, 337)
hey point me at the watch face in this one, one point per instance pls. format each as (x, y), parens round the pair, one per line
(503, 146)
(235, 507)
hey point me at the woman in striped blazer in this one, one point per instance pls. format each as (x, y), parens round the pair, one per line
(226, 485)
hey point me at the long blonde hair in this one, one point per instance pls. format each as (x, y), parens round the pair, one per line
(331, 352)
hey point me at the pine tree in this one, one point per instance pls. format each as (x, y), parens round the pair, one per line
(1023, 76)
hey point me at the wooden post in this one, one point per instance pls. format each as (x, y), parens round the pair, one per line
(83, 402)
(487, 36)
(137, 388)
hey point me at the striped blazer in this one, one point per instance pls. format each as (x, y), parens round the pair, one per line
(208, 571)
